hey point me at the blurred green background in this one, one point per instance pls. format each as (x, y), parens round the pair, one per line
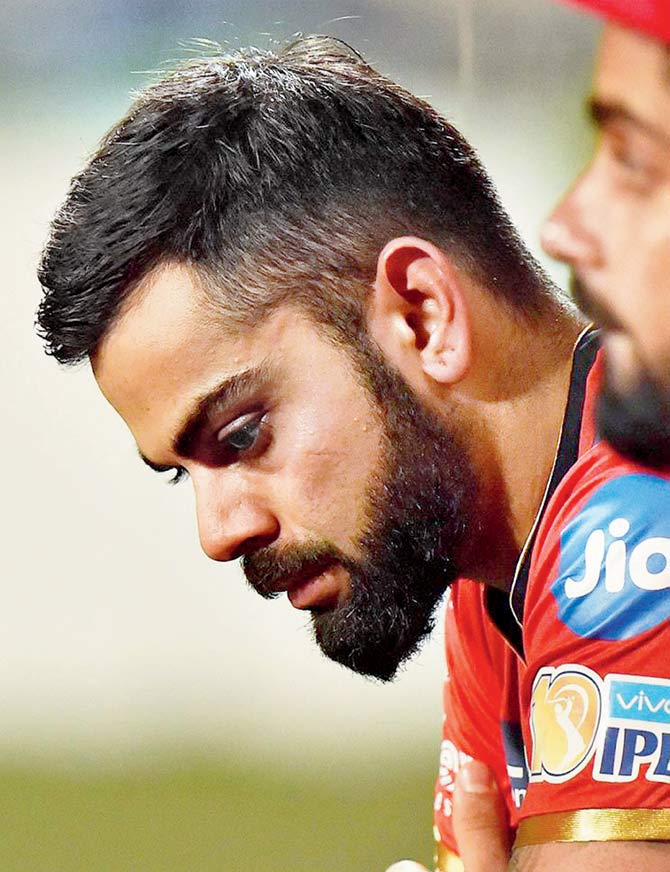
(191, 815)
(155, 714)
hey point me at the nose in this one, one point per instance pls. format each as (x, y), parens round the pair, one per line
(232, 519)
(567, 234)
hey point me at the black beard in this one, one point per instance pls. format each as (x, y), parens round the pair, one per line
(637, 423)
(417, 509)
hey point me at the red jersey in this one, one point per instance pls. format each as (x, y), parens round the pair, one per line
(563, 687)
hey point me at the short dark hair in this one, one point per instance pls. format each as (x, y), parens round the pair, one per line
(278, 177)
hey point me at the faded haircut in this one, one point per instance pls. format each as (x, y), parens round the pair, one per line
(277, 177)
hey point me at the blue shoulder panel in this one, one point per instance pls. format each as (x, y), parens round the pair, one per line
(614, 575)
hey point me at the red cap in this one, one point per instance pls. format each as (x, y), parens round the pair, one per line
(649, 16)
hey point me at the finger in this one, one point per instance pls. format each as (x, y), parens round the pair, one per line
(480, 820)
(406, 866)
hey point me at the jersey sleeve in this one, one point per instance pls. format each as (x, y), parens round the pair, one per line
(596, 691)
(477, 660)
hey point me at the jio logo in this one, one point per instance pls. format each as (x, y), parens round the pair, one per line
(614, 570)
(647, 564)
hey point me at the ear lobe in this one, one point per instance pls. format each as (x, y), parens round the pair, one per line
(419, 313)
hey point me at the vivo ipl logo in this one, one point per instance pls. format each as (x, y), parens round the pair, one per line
(614, 570)
(623, 723)
(637, 732)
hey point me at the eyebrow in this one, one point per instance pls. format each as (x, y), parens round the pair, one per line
(604, 112)
(227, 392)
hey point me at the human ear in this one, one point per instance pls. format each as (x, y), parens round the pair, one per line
(418, 311)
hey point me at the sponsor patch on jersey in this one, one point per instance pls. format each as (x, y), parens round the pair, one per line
(621, 723)
(637, 730)
(565, 715)
(613, 580)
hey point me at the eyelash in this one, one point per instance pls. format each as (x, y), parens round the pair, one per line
(179, 475)
(257, 422)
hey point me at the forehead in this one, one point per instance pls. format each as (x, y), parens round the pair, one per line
(164, 330)
(633, 71)
(167, 348)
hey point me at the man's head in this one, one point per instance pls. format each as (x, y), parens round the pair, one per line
(314, 464)
(613, 227)
(274, 177)
(280, 266)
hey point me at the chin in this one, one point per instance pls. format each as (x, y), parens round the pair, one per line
(637, 423)
(373, 641)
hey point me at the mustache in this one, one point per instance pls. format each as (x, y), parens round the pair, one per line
(591, 306)
(272, 570)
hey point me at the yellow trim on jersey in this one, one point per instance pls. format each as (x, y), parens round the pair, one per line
(596, 825)
(447, 861)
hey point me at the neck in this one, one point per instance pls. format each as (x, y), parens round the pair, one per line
(520, 415)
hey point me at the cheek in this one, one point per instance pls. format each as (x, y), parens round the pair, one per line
(649, 253)
(620, 224)
(654, 303)
(638, 282)
(655, 291)
(636, 242)
(331, 468)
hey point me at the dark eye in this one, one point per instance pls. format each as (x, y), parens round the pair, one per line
(241, 438)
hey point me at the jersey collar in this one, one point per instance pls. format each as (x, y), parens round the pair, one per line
(506, 610)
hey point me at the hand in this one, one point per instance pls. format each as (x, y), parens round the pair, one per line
(479, 820)
(406, 866)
